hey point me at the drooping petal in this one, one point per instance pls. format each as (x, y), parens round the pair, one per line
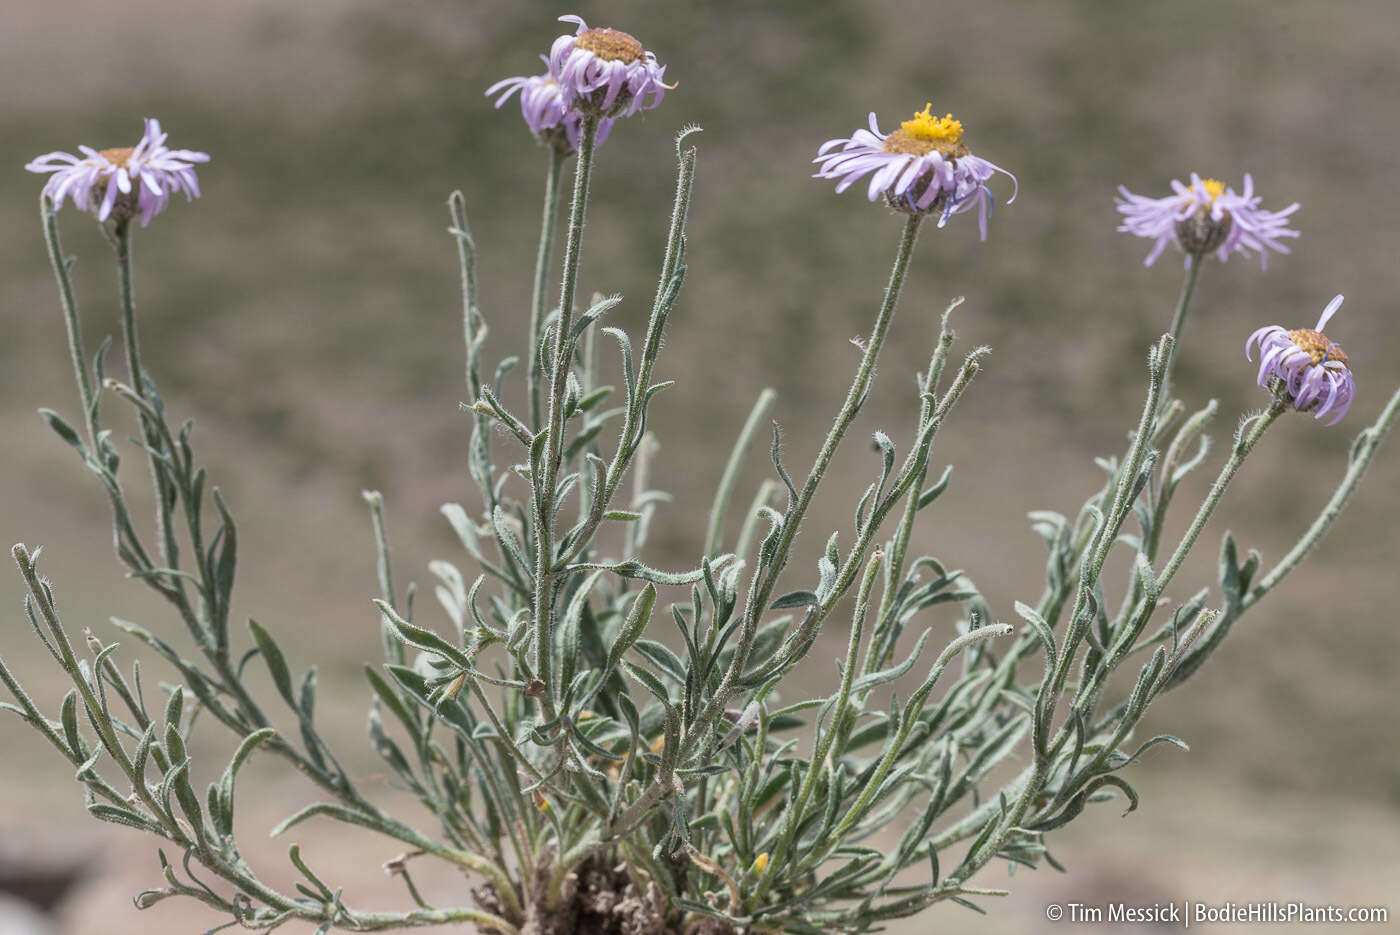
(932, 172)
(122, 182)
(605, 82)
(1313, 368)
(1237, 223)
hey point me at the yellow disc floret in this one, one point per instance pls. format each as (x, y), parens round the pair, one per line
(1317, 347)
(933, 129)
(1214, 188)
(613, 45)
(117, 157)
(925, 133)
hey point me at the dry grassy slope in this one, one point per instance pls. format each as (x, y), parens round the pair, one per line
(305, 312)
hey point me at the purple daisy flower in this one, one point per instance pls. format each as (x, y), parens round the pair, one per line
(1314, 370)
(543, 108)
(606, 71)
(1206, 216)
(924, 167)
(125, 182)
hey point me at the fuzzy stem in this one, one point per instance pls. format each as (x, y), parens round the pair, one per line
(151, 418)
(1363, 450)
(899, 545)
(763, 589)
(472, 330)
(122, 244)
(543, 258)
(797, 811)
(1183, 304)
(1106, 533)
(633, 419)
(70, 315)
(548, 470)
(855, 396)
(393, 646)
(1242, 448)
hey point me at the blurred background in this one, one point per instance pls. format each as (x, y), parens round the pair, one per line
(306, 312)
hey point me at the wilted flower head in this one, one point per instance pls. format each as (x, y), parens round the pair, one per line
(924, 167)
(1206, 216)
(1314, 370)
(543, 108)
(122, 183)
(605, 71)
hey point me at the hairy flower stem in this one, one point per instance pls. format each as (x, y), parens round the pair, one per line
(165, 494)
(547, 470)
(472, 327)
(855, 396)
(799, 640)
(1362, 451)
(1183, 304)
(71, 318)
(122, 245)
(632, 421)
(543, 258)
(881, 648)
(1244, 444)
(1096, 551)
(797, 811)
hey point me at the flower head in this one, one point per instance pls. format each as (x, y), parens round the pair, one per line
(924, 167)
(122, 183)
(543, 108)
(605, 71)
(1314, 370)
(1206, 216)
